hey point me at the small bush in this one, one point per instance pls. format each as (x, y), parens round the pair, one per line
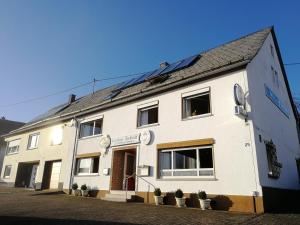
(202, 195)
(157, 192)
(83, 187)
(74, 186)
(178, 193)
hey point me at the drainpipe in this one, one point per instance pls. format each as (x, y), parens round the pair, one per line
(74, 154)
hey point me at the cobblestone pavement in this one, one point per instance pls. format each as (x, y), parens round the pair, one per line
(28, 207)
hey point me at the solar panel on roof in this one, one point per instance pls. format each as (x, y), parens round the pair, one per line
(50, 112)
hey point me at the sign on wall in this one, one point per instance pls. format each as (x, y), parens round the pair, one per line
(125, 140)
(276, 101)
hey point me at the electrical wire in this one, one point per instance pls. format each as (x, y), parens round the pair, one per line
(67, 90)
(292, 64)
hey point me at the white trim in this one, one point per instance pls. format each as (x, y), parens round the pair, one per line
(146, 105)
(195, 92)
(91, 118)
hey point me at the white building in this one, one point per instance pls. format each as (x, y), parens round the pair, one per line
(222, 121)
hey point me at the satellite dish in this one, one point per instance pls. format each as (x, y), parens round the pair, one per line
(239, 95)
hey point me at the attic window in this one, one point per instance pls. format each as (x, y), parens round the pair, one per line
(272, 50)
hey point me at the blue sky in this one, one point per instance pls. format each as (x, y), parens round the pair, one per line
(49, 46)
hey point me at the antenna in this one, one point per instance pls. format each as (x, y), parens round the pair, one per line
(94, 83)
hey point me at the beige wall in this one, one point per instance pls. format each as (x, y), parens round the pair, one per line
(45, 151)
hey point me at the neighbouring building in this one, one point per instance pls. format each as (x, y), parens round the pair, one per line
(5, 127)
(222, 121)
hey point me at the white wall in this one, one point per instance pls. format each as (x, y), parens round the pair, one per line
(233, 151)
(270, 122)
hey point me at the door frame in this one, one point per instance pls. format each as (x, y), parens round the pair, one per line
(123, 148)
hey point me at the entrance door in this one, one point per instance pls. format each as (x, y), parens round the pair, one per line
(55, 172)
(33, 175)
(129, 170)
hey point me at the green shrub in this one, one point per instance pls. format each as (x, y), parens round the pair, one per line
(178, 193)
(74, 186)
(83, 187)
(202, 195)
(157, 192)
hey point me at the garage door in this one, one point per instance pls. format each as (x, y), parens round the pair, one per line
(55, 175)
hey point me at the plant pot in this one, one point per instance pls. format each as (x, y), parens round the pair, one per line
(85, 193)
(204, 203)
(180, 202)
(159, 200)
(77, 192)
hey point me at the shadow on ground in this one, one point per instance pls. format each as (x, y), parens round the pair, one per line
(49, 193)
(12, 220)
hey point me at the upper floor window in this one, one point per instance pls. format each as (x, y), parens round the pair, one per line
(196, 104)
(7, 171)
(57, 135)
(91, 128)
(273, 165)
(272, 50)
(87, 165)
(190, 162)
(275, 77)
(147, 115)
(33, 141)
(13, 147)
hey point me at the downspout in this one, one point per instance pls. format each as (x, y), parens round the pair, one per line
(74, 155)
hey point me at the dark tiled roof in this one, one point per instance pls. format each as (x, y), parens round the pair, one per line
(226, 56)
(8, 125)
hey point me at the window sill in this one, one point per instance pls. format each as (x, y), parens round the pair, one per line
(32, 148)
(88, 137)
(12, 153)
(197, 117)
(188, 179)
(148, 125)
(88, 175)
(56, 144)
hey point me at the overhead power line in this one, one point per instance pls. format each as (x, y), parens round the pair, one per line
(69, 89)
(292, 64)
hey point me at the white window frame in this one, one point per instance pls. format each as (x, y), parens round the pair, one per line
(55, 129)
(29, 147)
(146, 107)
(5, 170)
(198, 169)
(8, 152)
(191, 95)
(90, 168)
(94, 121)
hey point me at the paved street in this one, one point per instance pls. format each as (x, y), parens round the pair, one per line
(28, 207)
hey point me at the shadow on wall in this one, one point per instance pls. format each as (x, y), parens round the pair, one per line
(48, 221)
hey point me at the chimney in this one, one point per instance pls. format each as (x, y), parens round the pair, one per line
(72, 98)
(163, 64)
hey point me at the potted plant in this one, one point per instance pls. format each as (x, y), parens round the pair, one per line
(204, 202)
(158, 197)
(76, 192)
(84, 190)
(180, 200)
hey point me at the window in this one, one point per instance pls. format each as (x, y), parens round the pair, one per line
(13, 147)
(148, 115)
(91, 128)
(272, 50)
(190, 162)
(33, 141)
(57, 135)
(298, 168)
(195, 105)
(273, 165)
(7, 172)
(275, 77)
(87, 165)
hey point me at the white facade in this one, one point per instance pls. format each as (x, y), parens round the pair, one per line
(240, 163)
